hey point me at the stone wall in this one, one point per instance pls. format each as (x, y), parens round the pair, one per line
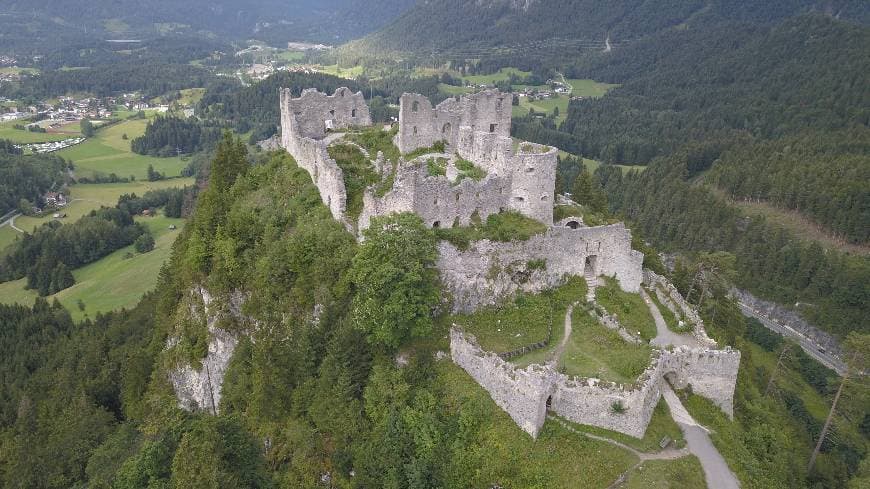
(315, 112)
(303, 125)
(421, 125)
(200, 389)
(525, 393)
(668, 295)
(711, 373)
(489, 272)
(520, 393)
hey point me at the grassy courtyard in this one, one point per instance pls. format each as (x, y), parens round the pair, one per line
(523, 321)
(630, 309)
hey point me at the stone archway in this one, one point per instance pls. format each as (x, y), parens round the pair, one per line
(573, 224)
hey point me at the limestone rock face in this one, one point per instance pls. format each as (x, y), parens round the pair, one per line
(200, 389)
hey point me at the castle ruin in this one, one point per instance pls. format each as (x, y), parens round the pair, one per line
(475, 129)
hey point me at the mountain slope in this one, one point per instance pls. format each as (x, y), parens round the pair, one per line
(476, 27)
(271, 20)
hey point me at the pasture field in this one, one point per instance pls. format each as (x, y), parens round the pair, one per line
(503, 74)
(592, 165)
(23, 137)
(116, 281)
(589, 88)
(336, 70)
(87, 197)
(108, 152)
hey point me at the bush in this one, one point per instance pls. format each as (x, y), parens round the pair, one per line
(144, 243)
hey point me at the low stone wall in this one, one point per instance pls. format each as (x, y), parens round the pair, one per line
(520, 393)
(668, 295)
(525, 393)
(489, 272)
(614, 407)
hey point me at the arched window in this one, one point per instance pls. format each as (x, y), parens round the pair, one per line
(353, 113)
(573, 224)
(415, 130)
(436, 224)
(415, 106)
(446, 129)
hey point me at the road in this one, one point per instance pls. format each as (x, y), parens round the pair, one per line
(716, 471)
(806, 343)
(9, 219)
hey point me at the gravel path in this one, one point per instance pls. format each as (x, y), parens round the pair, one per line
(665, 336)
(716, 471)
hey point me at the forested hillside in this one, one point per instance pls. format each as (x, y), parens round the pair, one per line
(314, 391)
(559, 27)
(270, 20)
(27, 177)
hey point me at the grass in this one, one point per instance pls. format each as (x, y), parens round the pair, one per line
(594, 351)
(504, 226)
(592, 165)
(108, 152)
(468, 169)
(671, 320)
(25, 136)
(358, 175)
(589, 88)
(507, 457)
(289, 56)
(524, 321)
(336, 70)
(503, 74)
(546, 106)
(7, 237)
(96, 195)
(191, 96)
(629, 308)
(437, 167)
(682, 473)
(453, 90)
(111, 283)
(438, 147)
(375, 139)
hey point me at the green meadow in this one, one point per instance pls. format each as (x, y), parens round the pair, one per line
(24, 136)
(116, 281)
(108, 152)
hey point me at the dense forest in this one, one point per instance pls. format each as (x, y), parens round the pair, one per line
(152, 79)
(675, 214)
(28, 177)
(169, 136)
(559, 28)
(314, 392)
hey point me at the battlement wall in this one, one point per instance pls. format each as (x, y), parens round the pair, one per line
(711, 373)
(490, 272)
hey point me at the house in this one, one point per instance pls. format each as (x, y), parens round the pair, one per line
(55, 199)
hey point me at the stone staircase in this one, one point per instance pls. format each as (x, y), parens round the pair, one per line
(591, 283)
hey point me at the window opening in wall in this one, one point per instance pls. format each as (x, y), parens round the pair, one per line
(498, 103)
(332, 112)
(543, 198)
(436, 224)
(415, 130)
(353, 113)
(573, 224)
(341, 93)
(530, 170)
(549, 403)
(445, 129)
(519, 199)
(492, 127)
(415, 106)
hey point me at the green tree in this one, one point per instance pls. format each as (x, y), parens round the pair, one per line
(586, 191)
(395, 281)
(87, 127)
(144, 243)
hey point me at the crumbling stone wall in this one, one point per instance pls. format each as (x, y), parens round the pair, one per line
(711, 373)
(303, 125)
(521, 393)
(525, 393)
(421, 125)
(489, 272)
(668, 295)
(438, 202)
